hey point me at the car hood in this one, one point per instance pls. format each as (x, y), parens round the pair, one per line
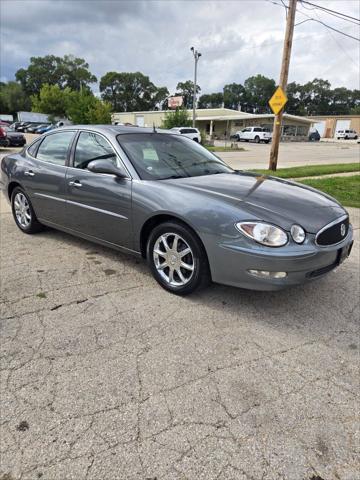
(267, 198)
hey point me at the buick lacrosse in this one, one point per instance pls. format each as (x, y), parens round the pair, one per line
(164, 197)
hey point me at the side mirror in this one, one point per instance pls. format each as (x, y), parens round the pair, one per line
(104, 166)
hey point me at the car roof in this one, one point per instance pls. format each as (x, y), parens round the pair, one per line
(114, 129)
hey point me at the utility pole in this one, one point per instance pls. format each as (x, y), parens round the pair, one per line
(197, 55)
(283, 82)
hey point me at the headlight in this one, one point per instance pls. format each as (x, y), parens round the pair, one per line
(298, 234)
(263, 233)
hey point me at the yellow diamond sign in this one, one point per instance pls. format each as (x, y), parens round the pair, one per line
(278, 101)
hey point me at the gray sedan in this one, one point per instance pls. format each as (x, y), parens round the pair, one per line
(163, 197)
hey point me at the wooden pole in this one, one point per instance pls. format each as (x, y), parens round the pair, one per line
(283, 82)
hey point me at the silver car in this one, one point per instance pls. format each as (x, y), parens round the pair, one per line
(162, 196)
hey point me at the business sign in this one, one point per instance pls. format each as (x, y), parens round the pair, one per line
(175, 102)
(278, 101)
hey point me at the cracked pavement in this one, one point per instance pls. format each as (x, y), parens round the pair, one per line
(105, 376)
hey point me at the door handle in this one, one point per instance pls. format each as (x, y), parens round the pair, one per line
(29, 173)
(75, 183)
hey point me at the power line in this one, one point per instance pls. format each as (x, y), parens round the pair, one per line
(337, 43)
(326, 25)
(328, 10)
(336, 15)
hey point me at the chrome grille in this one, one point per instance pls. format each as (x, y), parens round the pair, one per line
(334, 232)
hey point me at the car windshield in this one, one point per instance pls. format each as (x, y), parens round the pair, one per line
(158, 156)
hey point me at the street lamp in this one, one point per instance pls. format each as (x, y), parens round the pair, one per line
(196, 55)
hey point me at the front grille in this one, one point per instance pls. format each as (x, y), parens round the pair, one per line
(333, 233)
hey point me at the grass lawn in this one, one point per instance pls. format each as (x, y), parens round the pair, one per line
(345, 189)
(312, 170)
(224, 149)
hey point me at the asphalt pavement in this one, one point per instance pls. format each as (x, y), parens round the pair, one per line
(105, 376)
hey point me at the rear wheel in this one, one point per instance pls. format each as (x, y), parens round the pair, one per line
(177, 258)
(23, 212)
(257, 139)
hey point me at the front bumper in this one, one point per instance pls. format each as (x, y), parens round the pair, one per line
(230, 263)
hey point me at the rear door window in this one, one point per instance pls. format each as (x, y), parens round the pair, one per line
(33, 148)
(55, 148)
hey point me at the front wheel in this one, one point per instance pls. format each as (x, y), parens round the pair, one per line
(23, 212)
(177, 258)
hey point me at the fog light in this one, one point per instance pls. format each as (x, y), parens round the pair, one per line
(266, 274)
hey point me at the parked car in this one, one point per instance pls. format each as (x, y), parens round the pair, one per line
(15, 139)
(44, 128)
(314, 136)
(23, 126)
(4, 141)
(253, 134)
(15, 125)
(189, 132)
(346, 134)
(166, 198)
(33, 127)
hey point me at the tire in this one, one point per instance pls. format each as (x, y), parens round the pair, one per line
(257, 139)
(23, 212)
(356, 137)
(267, 141)
(196, 276)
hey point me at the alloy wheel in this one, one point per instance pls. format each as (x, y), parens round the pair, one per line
(174, 259)
(22, 210)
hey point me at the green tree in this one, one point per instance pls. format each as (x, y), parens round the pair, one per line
(317, 96)
(212, 100)
(186, 90)
(257, 92)
(68, 71)
(75, 73)
(51, 100)
(295, 104)
(84, 108)
(131, 92)
(13, 99)
(176, 118)
(234, 96)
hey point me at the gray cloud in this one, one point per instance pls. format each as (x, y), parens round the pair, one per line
(237, 38)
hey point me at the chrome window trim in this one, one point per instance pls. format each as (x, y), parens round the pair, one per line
(41, 140)
(334, 222)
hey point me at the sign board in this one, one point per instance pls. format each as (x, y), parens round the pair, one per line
(32, 117)
(278, 101)
(175, 102)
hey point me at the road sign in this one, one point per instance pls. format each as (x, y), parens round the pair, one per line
(278, 101)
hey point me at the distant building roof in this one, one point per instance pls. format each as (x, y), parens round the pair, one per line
(221, 114)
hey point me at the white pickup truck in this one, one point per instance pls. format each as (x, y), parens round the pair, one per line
(253, 134)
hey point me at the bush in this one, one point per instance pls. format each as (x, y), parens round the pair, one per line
(176, 118)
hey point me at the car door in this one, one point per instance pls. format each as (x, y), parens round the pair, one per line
(98, 205)
(44, 175)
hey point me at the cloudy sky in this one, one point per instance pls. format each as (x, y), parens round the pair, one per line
(237, 38)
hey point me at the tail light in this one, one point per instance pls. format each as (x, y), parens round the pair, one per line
(2, 132)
